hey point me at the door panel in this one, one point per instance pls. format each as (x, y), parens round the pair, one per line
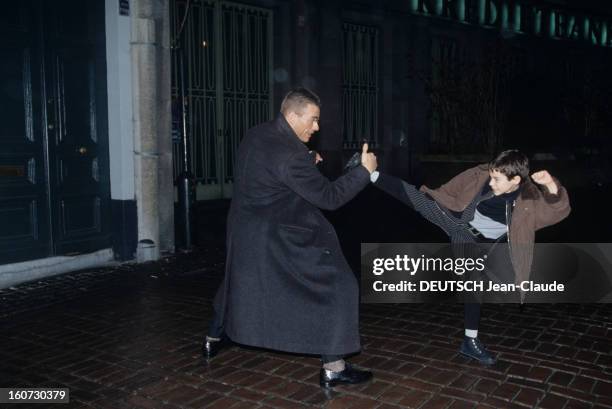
(15, 70)
(19, 219)
(24, 206)
(80, 215)
(77, 115)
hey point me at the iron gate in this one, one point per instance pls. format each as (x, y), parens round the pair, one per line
(360, 85)
(228, 57)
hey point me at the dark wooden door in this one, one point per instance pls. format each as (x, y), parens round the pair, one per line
(54, 176)
(76, 124)
(24, 202)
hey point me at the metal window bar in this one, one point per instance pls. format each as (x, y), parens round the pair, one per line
(360, 85)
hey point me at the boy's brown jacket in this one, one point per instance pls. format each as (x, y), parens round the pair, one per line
(533, 209)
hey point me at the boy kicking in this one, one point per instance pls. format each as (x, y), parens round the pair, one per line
(496, 202)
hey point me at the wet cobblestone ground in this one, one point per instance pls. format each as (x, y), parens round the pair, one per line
(130, 337)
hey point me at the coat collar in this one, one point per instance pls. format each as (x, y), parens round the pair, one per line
(287, 132)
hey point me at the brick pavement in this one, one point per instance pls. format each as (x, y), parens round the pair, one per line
(130, 337)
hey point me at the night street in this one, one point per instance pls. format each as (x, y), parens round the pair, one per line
(468, 141)
(130, 337)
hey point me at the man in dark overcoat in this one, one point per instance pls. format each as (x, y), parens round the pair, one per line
(287, 284)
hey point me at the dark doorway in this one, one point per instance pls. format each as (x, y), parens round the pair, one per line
(54, 179)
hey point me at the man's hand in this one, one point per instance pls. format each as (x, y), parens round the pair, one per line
(368, 159)
(317, 157)
(543, 178)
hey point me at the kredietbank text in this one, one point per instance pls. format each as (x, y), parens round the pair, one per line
(516, 16)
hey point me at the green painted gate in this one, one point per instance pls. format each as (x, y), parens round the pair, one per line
(228, 55)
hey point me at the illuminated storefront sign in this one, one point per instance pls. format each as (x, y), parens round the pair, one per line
(521, 18)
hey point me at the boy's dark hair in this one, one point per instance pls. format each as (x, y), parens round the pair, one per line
(511, 163)
(297, 99)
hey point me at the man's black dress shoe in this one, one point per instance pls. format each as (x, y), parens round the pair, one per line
(350, 376)
(210, 349)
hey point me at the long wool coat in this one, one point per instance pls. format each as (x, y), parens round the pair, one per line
(287, 284)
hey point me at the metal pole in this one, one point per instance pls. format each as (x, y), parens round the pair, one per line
(185, 179)
(185, 188)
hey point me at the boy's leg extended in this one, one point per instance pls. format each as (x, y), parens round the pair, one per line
(419, 201)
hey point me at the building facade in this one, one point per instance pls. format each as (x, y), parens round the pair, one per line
(85, 150)
(93, 120)
(417, 79)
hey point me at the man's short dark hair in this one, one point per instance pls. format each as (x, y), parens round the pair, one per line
(297, 99)
(511, 163)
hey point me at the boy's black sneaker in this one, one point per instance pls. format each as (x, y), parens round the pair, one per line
(473, 348)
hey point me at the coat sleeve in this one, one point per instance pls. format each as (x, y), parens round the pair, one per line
(453, 187)
(551, 209)
(301, 175)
